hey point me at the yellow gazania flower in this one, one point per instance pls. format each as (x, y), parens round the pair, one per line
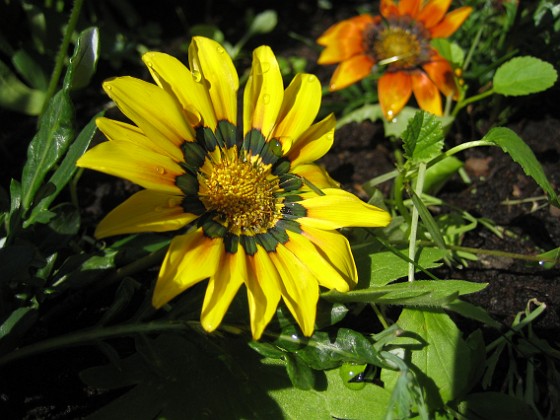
(240, 185)
(400, 40)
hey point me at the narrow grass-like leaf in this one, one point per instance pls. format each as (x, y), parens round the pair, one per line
(429, 222)
(523, 76)
(513, 145)
(427, 293)
(47, 147)
(423, 137)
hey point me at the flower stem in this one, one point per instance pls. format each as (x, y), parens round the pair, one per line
(414, 222)
(61, 55)
(475, 98)
(94, 334)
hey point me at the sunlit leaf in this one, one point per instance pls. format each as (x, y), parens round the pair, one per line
(444, 361)
(84, 60)
(512, 144)
(523, 76)
(423, 137)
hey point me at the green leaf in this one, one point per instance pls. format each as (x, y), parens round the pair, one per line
(176, 374)
(427, 293)
(333, 400)
(84, 60)
(15, 326)
(31, 72)
(451, 51)
(66, 169)
(423, 137)
(428, 220)
(437, 175)
(323, 351)
(512, 144)
(366, 112)
(381, 268)
(495, 405)
(299, 373)
(47, 147)
(523, 76)
(264, 22)
(445, 360)
(17, 96)
(468, 310)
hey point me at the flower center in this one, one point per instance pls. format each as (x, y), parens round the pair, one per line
(399, 42)
(242, 193)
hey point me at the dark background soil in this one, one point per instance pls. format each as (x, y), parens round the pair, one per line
(52, 389)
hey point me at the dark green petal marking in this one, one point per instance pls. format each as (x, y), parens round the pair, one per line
(271, 151)
(191, 204)
(281, 167)
(206, 138)
(293, 211)
(187, 183)
(226, 134)
(254, 142)
(194, 155)
(213, 229)
(290, 182)
(231, 242)
(249, 244)
(267, 241)
(290, 225)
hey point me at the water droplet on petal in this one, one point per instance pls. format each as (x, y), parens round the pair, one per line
(108, 87)
(197, 76)
(390, 114)
(160, 170)
(220, 50)
(276, 147)
(266, 98)
(311, 78)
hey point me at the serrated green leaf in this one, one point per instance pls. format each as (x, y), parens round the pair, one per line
(523, 76)
(423, 137)
(381, 268)
(366, 112)
(429, 293)
(48, 145)
(444, 361)
(66, 169)
(513, 145)
(84, 60)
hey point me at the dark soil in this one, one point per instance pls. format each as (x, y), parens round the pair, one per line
(52, 388)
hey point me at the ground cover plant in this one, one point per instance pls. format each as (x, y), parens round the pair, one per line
(293, 210)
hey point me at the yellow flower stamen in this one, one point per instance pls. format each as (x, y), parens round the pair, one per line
(398, 45)
(242, 193)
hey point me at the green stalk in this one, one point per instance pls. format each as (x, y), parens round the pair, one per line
(62, 52)
(414, 222)
(460, 105)
(95, 334)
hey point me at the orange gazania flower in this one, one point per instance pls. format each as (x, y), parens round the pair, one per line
(400, 40)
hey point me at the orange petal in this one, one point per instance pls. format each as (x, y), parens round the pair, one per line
(394, 90)
(351, 71)
(388, 8)
(433, 12)
(426, 93)
(343, 40)
(452, 21)
(409, 7)
(440, 72)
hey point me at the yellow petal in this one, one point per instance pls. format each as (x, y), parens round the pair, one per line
(172, 75)
(222, 288)
(264, 93)
(263, 291)
(145, 211)
(336, 249)
(338, 209)
(300, 289)
(120, 131)
(208, 60)
(314, 259)
(134, 163)
(153, 110)
(302, 100)
(316, 174)
(190, 259)
(314, 142)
